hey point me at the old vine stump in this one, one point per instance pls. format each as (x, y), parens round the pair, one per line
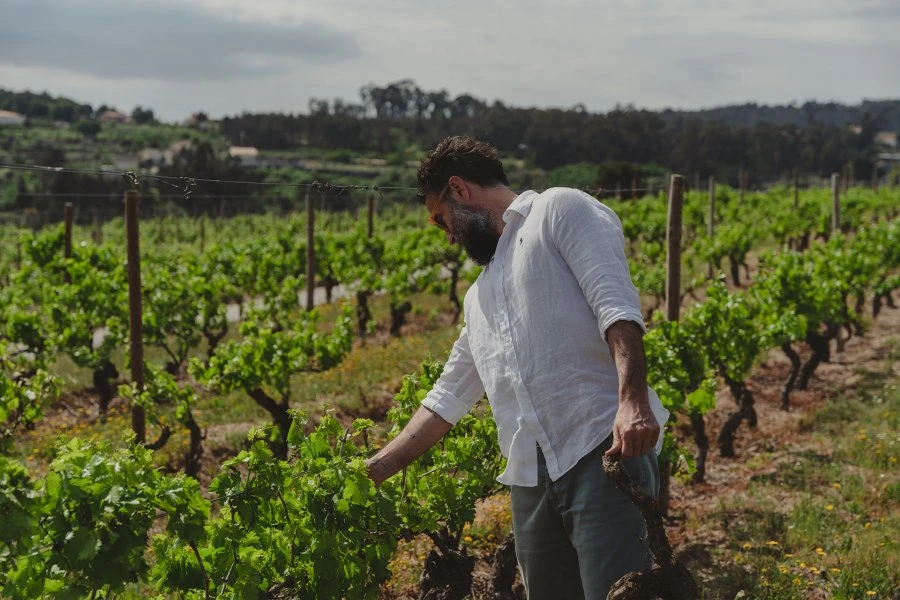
(669, 579)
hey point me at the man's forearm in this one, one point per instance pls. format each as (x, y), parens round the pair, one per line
(635, 430)
(421, 433)
(627, 348)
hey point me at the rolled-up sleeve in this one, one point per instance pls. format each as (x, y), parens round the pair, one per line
(459, 387)
(589, 237)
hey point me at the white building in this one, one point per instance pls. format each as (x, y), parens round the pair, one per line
(886, 138)
(8, 117)
(246, 156)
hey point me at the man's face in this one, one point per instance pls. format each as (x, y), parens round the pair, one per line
(469, 226)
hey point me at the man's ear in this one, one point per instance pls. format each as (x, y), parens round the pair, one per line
(460, 188)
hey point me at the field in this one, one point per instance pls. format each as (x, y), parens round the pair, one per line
(801, 505)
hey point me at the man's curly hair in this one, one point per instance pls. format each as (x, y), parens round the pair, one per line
(464, 157)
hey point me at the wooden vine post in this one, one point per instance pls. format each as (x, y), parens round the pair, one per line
(673, 244)
(370, 215)
(835, 202)
(795, 184)
(711, 219)
(69, 215)
(132, 239)
(673, 299)
(98, 227)
(202, 232)
(310, 251)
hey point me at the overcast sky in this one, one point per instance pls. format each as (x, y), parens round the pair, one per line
(228, 56)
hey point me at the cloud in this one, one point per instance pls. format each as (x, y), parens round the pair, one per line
(160, 41)
(703, 70)
(227, 56)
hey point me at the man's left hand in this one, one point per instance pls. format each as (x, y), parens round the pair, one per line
(635, 431)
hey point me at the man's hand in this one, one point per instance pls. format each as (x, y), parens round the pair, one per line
(421, 433)
(635, 431)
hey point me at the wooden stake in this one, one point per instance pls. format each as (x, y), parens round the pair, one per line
(835, 202)
(310, 251)
(673, 299)
(371, 215)
(132, 201)
(711, 219)
(98, 228)
(875, 178)
(202, 232)
(673, 243)
(69, 214)
(742, 184)
(796, 186)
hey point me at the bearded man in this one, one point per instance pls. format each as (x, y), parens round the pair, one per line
(553, 335)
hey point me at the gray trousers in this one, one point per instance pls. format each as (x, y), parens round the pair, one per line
(578, 535)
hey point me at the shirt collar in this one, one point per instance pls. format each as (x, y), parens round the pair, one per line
(521, 205)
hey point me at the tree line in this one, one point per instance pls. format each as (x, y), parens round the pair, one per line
(765, 141)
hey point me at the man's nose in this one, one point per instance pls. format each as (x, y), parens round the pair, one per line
(450, 238)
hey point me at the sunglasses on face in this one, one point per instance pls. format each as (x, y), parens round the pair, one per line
(435, 219)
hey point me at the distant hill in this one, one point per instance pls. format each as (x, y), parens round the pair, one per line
(399, 120)
(44, 105)
(881, 114)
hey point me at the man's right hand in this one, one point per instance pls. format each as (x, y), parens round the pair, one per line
(421, 433)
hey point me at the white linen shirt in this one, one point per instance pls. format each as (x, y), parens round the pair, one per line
(535, 334)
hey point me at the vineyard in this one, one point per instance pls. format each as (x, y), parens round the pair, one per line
(247, 479)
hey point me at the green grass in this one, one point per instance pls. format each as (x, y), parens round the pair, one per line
(825, 523)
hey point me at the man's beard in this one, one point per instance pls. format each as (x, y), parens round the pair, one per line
(475, 230)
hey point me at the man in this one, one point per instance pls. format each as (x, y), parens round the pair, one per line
(553, 336)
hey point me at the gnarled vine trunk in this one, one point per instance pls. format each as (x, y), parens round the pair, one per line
(102, 378)
(745, 412)
(820, 353)
(792, 375)
(398, 316)
(280, 416)
(363, 314)
(454, 294)
(668, 579)
(503, 572)
(448, 570)
(698, 427)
